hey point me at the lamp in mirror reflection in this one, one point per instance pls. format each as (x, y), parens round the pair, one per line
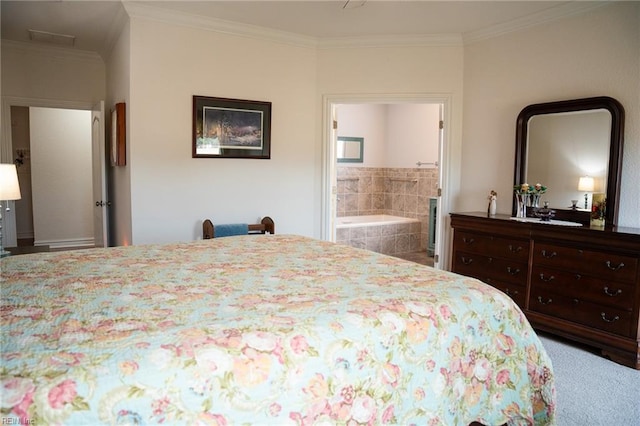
(586, 185)
(9, 191)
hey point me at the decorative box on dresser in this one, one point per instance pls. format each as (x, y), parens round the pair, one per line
(576, 282)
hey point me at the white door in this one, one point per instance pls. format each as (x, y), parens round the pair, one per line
(99, 177)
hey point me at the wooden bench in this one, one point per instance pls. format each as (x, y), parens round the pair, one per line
(265, 226)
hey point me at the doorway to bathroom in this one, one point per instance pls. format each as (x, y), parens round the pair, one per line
(396, 184)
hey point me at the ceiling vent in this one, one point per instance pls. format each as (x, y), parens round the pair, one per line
(52, 38)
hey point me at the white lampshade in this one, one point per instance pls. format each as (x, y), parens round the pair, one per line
(586, 184)
(9, 187)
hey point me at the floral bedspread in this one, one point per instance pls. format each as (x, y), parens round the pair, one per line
(261, 330)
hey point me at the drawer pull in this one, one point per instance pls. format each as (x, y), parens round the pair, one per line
(544, 303)
(511, 293)
(551, 278)
(466, 260)
(513, 249)
(608, 293)
(614, 268)
(549, 255)
(514, 271)
(604, 317)
(576, 301)
(468, 240)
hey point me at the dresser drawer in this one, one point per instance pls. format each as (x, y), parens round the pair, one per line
(606, 266)
(572, 285)
(491, 246)
(485, 268)
(580, 311)
(516, 292)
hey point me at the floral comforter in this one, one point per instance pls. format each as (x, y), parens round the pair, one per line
(261, 330)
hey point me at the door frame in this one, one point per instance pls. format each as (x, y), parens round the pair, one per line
(9, 232)
(329, 161)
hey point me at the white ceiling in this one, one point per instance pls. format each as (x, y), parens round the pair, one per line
(92, 22)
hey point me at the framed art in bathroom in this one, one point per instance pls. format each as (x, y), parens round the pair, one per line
(118, 135)
(231, 128)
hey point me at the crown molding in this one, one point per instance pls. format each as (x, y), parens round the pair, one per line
(391, 41)
(141, 11)
(549, 15)
(51, 51)
(136, 10)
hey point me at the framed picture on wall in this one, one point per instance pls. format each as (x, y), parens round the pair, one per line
(231, 128)
(118, 135)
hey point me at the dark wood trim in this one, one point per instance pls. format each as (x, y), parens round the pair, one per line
(616, 110)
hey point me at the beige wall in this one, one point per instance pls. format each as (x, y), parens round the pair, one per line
(32, 71)
(118, 89)
(171, 193)
(591, 54)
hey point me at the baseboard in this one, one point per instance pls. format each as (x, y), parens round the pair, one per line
(70, 243)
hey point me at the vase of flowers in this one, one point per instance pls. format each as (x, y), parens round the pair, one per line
(521, 193)
(536, 194)
(528, 196)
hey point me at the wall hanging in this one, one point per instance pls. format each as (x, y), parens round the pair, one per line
(118, 135)
(231, 128)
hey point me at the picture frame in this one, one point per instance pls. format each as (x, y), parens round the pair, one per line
(231, 128)
(118, 135)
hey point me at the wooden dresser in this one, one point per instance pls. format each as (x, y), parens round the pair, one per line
(575, 282)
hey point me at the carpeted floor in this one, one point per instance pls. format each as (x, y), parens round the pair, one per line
(592, 390)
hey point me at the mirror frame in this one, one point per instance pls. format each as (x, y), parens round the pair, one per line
(614, 170)
(360, 157)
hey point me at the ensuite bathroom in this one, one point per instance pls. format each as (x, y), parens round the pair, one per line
(387, 178)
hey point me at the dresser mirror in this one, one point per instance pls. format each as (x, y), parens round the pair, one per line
(574, 148)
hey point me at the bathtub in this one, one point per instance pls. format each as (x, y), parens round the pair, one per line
(371, 220)
(380, 233)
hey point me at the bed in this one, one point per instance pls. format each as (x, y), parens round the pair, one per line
(268, 329)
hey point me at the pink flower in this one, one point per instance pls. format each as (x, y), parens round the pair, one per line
(445, 311)
(348, 393)
(128, 367)
(503, 377)
(22, 410)
(275, 409)
(160, 406)
(388, 414)
(299, 344)
(390, 374)
(62, 394)
(17, 394)
(14, 391)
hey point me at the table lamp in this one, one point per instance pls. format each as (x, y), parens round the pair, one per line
(586, 185)
(9, 190)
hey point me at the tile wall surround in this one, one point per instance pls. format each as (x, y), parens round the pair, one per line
(394, 191)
